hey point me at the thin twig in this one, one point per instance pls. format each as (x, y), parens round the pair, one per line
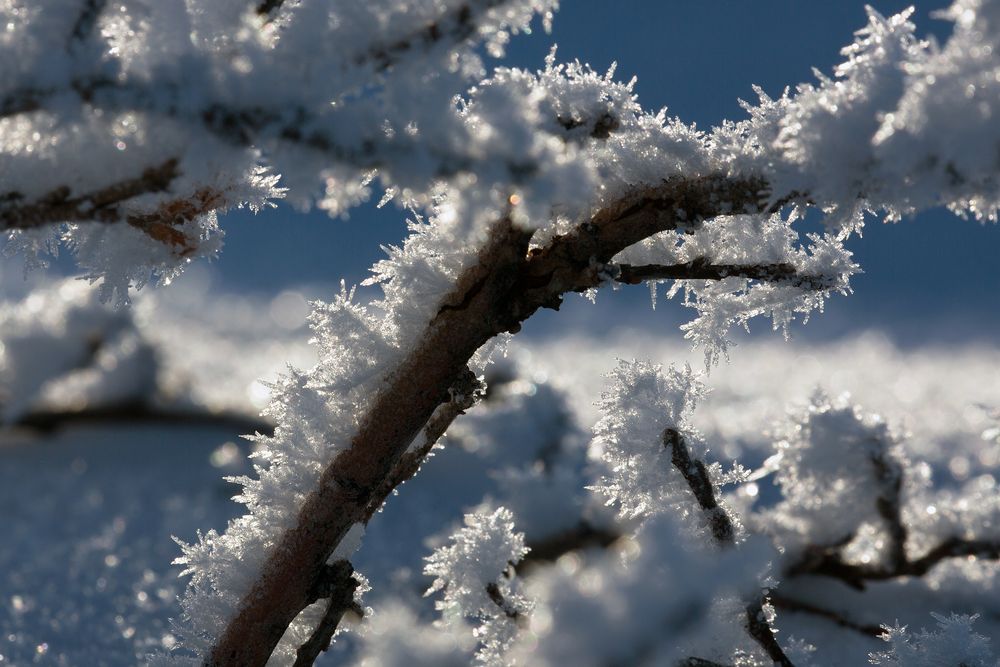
(456, 25)
(86, 21)
(101, 205)
(581, 536)
(703, 269)
(509, 610)
(337, 585)
(761, 631)
(789, 604)
(832, 565)
(695, 474)
(889, 474)
(464, 394)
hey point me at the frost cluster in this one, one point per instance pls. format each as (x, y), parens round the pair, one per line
(954, 642)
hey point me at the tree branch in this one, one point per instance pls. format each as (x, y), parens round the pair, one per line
(831, 564)
(582, 536)
(703, 269)
(455, 25)
(889, 474)
(509, 610)
(86, 21)
(464, 394)
(790, 604)
(696, 475)
(828, 561)
(102, 205)
(338, 586)
(139, 412)
(502, 289)
(761, 631)
(357, 476)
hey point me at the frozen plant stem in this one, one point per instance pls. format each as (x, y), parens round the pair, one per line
(504, 287)
(696, 475)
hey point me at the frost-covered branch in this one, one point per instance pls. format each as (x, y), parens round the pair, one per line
(724, 532)
(536, 184)
(763, 634)
(696, 475)
(455, 25)
(504, 286)
(101, 205)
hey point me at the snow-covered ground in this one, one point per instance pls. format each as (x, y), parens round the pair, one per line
(89, 509)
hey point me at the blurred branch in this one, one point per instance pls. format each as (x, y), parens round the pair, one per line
(789, 604)
(830, 563)
(86, 21)
(889, 475)
(582, 536)
(268, 7)
(142, 413)
(455, 25)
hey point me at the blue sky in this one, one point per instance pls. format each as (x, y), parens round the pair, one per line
(933, 278)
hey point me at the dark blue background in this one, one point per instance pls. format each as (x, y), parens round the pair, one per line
(932, 278)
